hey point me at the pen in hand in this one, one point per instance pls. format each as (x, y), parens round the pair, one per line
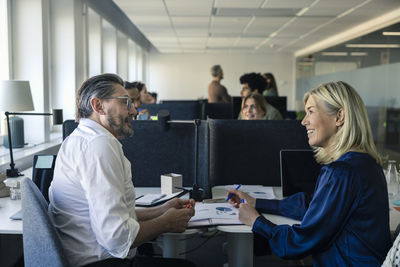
(231, 194)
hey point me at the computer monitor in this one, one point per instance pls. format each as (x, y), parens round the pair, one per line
(299, 171)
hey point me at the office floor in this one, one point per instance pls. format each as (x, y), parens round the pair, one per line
(207, 250)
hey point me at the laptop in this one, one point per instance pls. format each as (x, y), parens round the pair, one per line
(299, 171)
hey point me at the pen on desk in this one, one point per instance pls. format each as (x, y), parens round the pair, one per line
(242, 200)
(182, 188)
(231, 194)
(139, 197)
(188, 205)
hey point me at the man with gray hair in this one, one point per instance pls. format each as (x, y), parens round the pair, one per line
(92, 197)
(217, 93)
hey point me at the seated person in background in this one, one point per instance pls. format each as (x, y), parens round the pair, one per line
(92, 197)
(154, 96)
(271, 89)
(251, 82)
(254, 107)
(145, 97)
(347, 221)
(133, 92)
(254, 82)
(217, 93)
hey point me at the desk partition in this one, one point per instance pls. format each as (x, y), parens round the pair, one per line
(247, 152)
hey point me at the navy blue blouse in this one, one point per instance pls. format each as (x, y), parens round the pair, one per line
(345, 224)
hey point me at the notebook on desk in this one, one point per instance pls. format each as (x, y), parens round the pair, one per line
(299, 171)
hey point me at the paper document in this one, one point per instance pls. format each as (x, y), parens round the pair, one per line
(149, 200)
(256, 191)
(207, 214)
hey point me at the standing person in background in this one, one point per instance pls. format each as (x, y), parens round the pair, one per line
(217, 93)
(271, 89)
(133, 92)
(347, 221)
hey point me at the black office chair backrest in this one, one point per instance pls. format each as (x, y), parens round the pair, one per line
(68, 127)
(217, 111)
(185, 110)
(43, 172)
(247, 152)
(278, 102)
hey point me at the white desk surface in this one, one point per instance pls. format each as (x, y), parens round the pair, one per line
(8, 207)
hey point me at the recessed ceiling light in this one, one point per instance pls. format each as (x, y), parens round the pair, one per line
(391, 33)
(358, 54)
(373, 45)
(334, 54)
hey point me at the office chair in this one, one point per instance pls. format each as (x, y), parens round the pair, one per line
(41, 242)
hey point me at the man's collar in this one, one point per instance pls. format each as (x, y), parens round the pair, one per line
(94, 124)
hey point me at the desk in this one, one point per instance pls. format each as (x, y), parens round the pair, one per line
(240, 237)
(173, 243)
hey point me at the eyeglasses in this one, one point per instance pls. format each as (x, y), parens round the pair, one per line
(127, 98)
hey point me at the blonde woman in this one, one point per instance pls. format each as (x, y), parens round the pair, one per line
(254, 107)
(347, 221)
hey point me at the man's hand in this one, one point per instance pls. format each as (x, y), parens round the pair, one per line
(247, 214)
(178, 203)
(237, 197)
(176, 220)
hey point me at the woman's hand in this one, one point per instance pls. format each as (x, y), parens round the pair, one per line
(237, 197)
(247, 214)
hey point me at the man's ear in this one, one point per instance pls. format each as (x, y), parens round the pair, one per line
(340, 117)
(97, 105)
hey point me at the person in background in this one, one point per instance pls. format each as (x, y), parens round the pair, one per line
(271, 89)
(92, 197)
(217, 93)
(154, 96)
(145, 97)
(251, 82)
(255, 83)
(254, 107)
(347, 221)
(133, 92)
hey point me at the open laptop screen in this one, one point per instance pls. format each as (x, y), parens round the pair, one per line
(299, 171)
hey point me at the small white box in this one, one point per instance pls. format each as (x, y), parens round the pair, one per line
(169, 182)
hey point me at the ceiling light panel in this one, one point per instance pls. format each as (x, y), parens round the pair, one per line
(256, 12)
(344, 4)
(238, 3)
(189, 7)
(192, 21)
(330, 12)
(228, 24)
(187, 32)
(287, 3)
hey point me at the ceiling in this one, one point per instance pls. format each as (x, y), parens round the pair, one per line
(248, 26)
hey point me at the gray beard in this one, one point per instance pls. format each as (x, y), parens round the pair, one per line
(119, 128)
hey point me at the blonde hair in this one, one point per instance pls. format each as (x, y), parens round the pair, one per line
(355, 133)
(259, 101)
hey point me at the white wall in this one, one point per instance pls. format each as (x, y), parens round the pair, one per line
(186, 76)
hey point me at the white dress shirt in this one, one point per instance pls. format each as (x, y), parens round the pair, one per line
(92, 198)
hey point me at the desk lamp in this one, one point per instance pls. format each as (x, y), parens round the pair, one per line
(16, 96)
(164, 120)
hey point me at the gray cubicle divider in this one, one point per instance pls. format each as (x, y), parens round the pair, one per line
(247, 152)
(153, 152)
(186, 110)
(217, 111)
